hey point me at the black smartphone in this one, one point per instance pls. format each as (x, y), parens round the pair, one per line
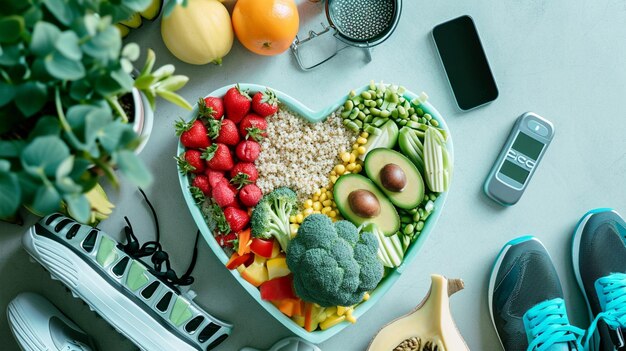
(465, 63)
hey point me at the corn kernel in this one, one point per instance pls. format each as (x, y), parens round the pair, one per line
(332, 173)
(307, 212)
(292, 219)
(365, 134)
(294, 229)
(316, 212)
(361, 140)
(323, 197)
(332, 214)
(361, 150)
(308, 203)
(340, 169)
(327, 203)
(333, 179)
(315, 198)
(317, 192)
(345, 157)
(366, 296)
(358, 168)
(299, 218)
(325, 210)
(323, 190)
(353, 156)
(350, 167)
(355, 146)
(330, 195)
(346, 172)
(317, 206)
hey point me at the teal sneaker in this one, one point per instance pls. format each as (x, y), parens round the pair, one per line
(599, 258)
(144, 303)
(526, 300)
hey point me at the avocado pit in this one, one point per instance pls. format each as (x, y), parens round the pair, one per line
(364, 203)
(393, 177)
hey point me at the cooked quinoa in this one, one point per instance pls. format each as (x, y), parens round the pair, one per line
(300, 154)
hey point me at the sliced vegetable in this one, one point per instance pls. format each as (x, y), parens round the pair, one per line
(412, 147)
(244, 242)
(262, 247)
(277, 267)
(437, 163)
(236, 260)
(386, 139)
(390, 249)
(256, 273)
(290, 307)
(278, 289)
(331, 321)
(313, 316)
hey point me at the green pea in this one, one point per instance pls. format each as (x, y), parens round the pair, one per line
(385, 113)
(374, 111)
(434, 123)
(408, 230)
(419, 111)
(414, 118)
(428, 116)
(361, 115)
(366, 95)
(352, 93)
(419, 226)
(413, 211)
(379, 102)
(416, 216)
(346, 113)
(349, 105)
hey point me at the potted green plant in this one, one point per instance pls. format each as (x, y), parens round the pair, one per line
(64, 77)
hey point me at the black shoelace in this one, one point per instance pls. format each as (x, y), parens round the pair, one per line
(153, 248)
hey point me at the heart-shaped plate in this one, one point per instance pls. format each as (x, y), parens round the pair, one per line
(386, 283)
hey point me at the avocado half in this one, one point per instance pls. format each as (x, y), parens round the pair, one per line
(413, 193)
(387, 220)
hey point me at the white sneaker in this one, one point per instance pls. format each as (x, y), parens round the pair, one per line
(38, 325)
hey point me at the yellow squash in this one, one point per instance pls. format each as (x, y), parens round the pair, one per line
(199, 33)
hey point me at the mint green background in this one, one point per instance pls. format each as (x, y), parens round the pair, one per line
(563, 59)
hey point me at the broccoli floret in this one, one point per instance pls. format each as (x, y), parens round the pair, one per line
(332, 264)
(270, 217)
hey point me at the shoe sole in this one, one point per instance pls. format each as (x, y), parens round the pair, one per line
(595, 339)
(112, 305)
(496, 268)
(26, 337)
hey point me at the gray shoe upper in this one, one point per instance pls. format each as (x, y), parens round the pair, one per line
(602, 251)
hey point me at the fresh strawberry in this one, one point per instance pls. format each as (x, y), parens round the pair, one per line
(215, 177)
(224, 195)
(265, 103)
(246, 168)
(193, 134)
(218, 157)
(250, 195)
(237, 103)
(201, 182)
(190, 161)
(248, 150)
(238, 219)
(211, 107)
(226, 240)
(228, 133)
(253, 127)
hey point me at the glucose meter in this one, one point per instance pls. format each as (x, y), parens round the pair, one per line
(519, 158)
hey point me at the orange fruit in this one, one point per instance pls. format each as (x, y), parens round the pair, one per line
(266, 27)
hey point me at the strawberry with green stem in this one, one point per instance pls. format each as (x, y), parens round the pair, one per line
(265, 103)
(237, 103)
(211, 108)
(193, 134)
(191, 161)
(218, 157)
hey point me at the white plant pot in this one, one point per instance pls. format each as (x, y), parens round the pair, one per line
(144, 118)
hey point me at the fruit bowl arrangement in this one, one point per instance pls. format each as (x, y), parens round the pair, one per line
(315, 213)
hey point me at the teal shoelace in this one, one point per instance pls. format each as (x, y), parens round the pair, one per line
(612, 296)
(547, 324)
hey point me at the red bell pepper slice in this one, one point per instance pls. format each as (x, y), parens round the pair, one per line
(236, 260)
(262, 247)
(278, 289)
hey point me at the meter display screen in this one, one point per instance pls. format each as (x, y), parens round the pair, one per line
(520, 159)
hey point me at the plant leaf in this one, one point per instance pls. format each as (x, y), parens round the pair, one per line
(164, 71)
(46, 125)
(133, 168)
(45, 154)
(11, 28)
(175, 99)
(111, 135)
(65, 167)
(137, 5)
(131, 51)
(47, 200)
(144, 82)
(123, 78)
(173, 83)
(67, 45)
(61, 10)
(63, 68)
(31, 97)
(10, 193)
(11, 148)
(105, 45)
(7, 93)
(78, 207)
(44, 36)
(11, 55)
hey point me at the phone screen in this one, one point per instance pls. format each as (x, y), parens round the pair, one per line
(465, 62)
